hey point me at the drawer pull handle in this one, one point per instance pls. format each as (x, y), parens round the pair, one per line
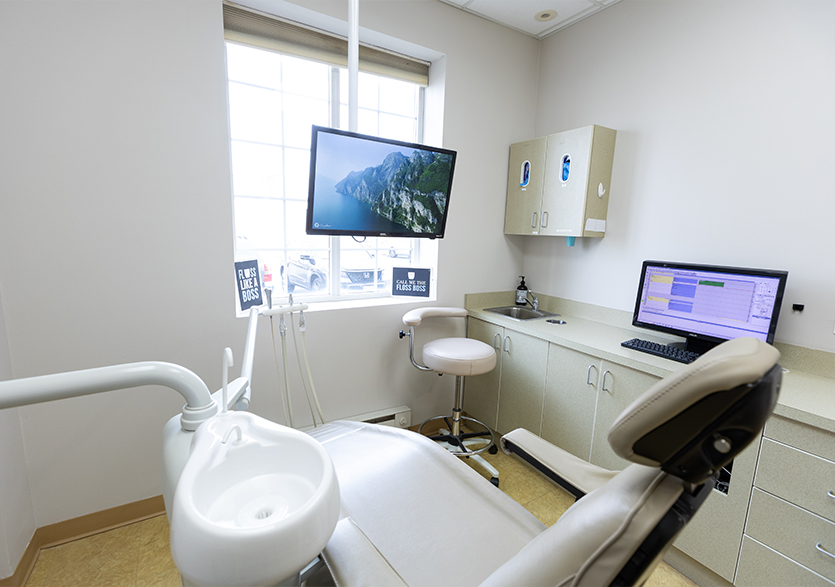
(831, 494)
(820, 547)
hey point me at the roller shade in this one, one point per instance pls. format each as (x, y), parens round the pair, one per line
(245, 25)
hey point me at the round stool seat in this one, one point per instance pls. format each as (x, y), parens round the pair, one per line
(459, 356)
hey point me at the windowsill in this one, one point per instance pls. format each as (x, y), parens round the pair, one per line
(351, 304)
(366, 303)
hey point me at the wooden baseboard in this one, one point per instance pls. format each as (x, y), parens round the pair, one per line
(81, 527)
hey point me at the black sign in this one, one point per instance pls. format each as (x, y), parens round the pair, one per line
(249, 283)
(408, 281)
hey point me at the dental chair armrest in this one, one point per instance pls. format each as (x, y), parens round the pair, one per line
(354, 561)
(572, 473)
(414, 317)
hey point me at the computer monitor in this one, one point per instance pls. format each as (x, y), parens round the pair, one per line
(362, 185)
(708, 304)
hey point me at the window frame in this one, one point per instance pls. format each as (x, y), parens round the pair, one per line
(423, 254)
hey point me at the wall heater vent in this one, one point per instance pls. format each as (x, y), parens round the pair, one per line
(399, 417)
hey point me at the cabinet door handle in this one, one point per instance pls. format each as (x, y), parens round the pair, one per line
(820, 548)
(506, 345)
(544, 219)
(497, 341)
(831, 494)
(588, 375)
(533, 220)
(606, 372)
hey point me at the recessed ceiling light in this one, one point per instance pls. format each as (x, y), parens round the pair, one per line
(546, 15)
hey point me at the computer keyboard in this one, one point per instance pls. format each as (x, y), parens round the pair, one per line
(660, 350)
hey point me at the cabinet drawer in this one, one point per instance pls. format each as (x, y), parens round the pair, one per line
(792, 531)
(798, 477)
(809, 438)
(759, 565)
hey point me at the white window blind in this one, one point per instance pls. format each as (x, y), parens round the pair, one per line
(249, 26)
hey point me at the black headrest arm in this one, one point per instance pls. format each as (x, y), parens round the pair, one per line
(661, 537)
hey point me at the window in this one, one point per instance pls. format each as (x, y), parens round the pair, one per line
(274, 98)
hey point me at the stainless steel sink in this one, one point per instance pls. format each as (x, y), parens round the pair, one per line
(520, 312)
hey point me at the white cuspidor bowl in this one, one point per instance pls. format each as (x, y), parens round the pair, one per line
(255, 503)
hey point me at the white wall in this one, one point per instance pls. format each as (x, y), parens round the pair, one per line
(116, 226)
(17, 518)
(724, 118)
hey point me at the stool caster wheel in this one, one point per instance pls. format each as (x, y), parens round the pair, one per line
(493, 449)
(494, 481)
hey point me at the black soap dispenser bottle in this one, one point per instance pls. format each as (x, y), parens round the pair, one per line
(522, 293)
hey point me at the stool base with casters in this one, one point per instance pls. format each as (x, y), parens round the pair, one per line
(460, 444)
(459, 357)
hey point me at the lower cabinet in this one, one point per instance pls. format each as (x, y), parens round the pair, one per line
(481, 392)
(774, 526)
(617, 387)
(760, 565)
(570, 400)
(510, 396)
(790, 532)
(583, 397)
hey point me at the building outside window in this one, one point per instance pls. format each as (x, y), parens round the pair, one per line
(274, 99)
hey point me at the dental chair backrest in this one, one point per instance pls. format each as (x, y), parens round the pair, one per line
(679, 434)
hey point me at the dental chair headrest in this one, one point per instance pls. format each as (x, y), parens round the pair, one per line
(698, 419)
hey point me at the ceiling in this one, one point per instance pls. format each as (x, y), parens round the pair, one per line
(537, 18)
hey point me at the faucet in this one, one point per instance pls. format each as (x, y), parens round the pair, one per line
(229, 433)
(535, 303)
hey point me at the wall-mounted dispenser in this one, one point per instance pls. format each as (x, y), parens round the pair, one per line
(564, 186)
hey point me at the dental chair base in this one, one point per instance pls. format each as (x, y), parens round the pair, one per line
(413, 514)
(427, 519)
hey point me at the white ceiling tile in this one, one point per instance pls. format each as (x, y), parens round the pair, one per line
(519, 14)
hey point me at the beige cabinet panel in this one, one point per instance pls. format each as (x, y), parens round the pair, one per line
(618, 387)
(570, 400)
(803, 436)
(760, 565)
(566, 180)
(481, 392)
(525, 176)
(797, 476)
(524, 360)
(792, 531)
(565, 190)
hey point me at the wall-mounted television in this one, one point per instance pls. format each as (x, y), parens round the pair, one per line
(362, 185)
(709, 304)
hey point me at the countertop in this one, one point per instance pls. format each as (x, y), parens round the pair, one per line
(804, 397)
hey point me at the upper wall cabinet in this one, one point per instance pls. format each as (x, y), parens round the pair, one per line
(559, 185)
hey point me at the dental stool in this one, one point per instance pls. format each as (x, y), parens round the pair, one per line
(460, 357)
(400, 491)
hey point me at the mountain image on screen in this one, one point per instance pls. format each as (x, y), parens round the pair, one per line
(407, 190)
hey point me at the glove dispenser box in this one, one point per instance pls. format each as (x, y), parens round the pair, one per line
(558, 185)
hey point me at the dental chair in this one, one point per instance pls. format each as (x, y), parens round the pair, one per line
(414, 514)
(460, 357)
